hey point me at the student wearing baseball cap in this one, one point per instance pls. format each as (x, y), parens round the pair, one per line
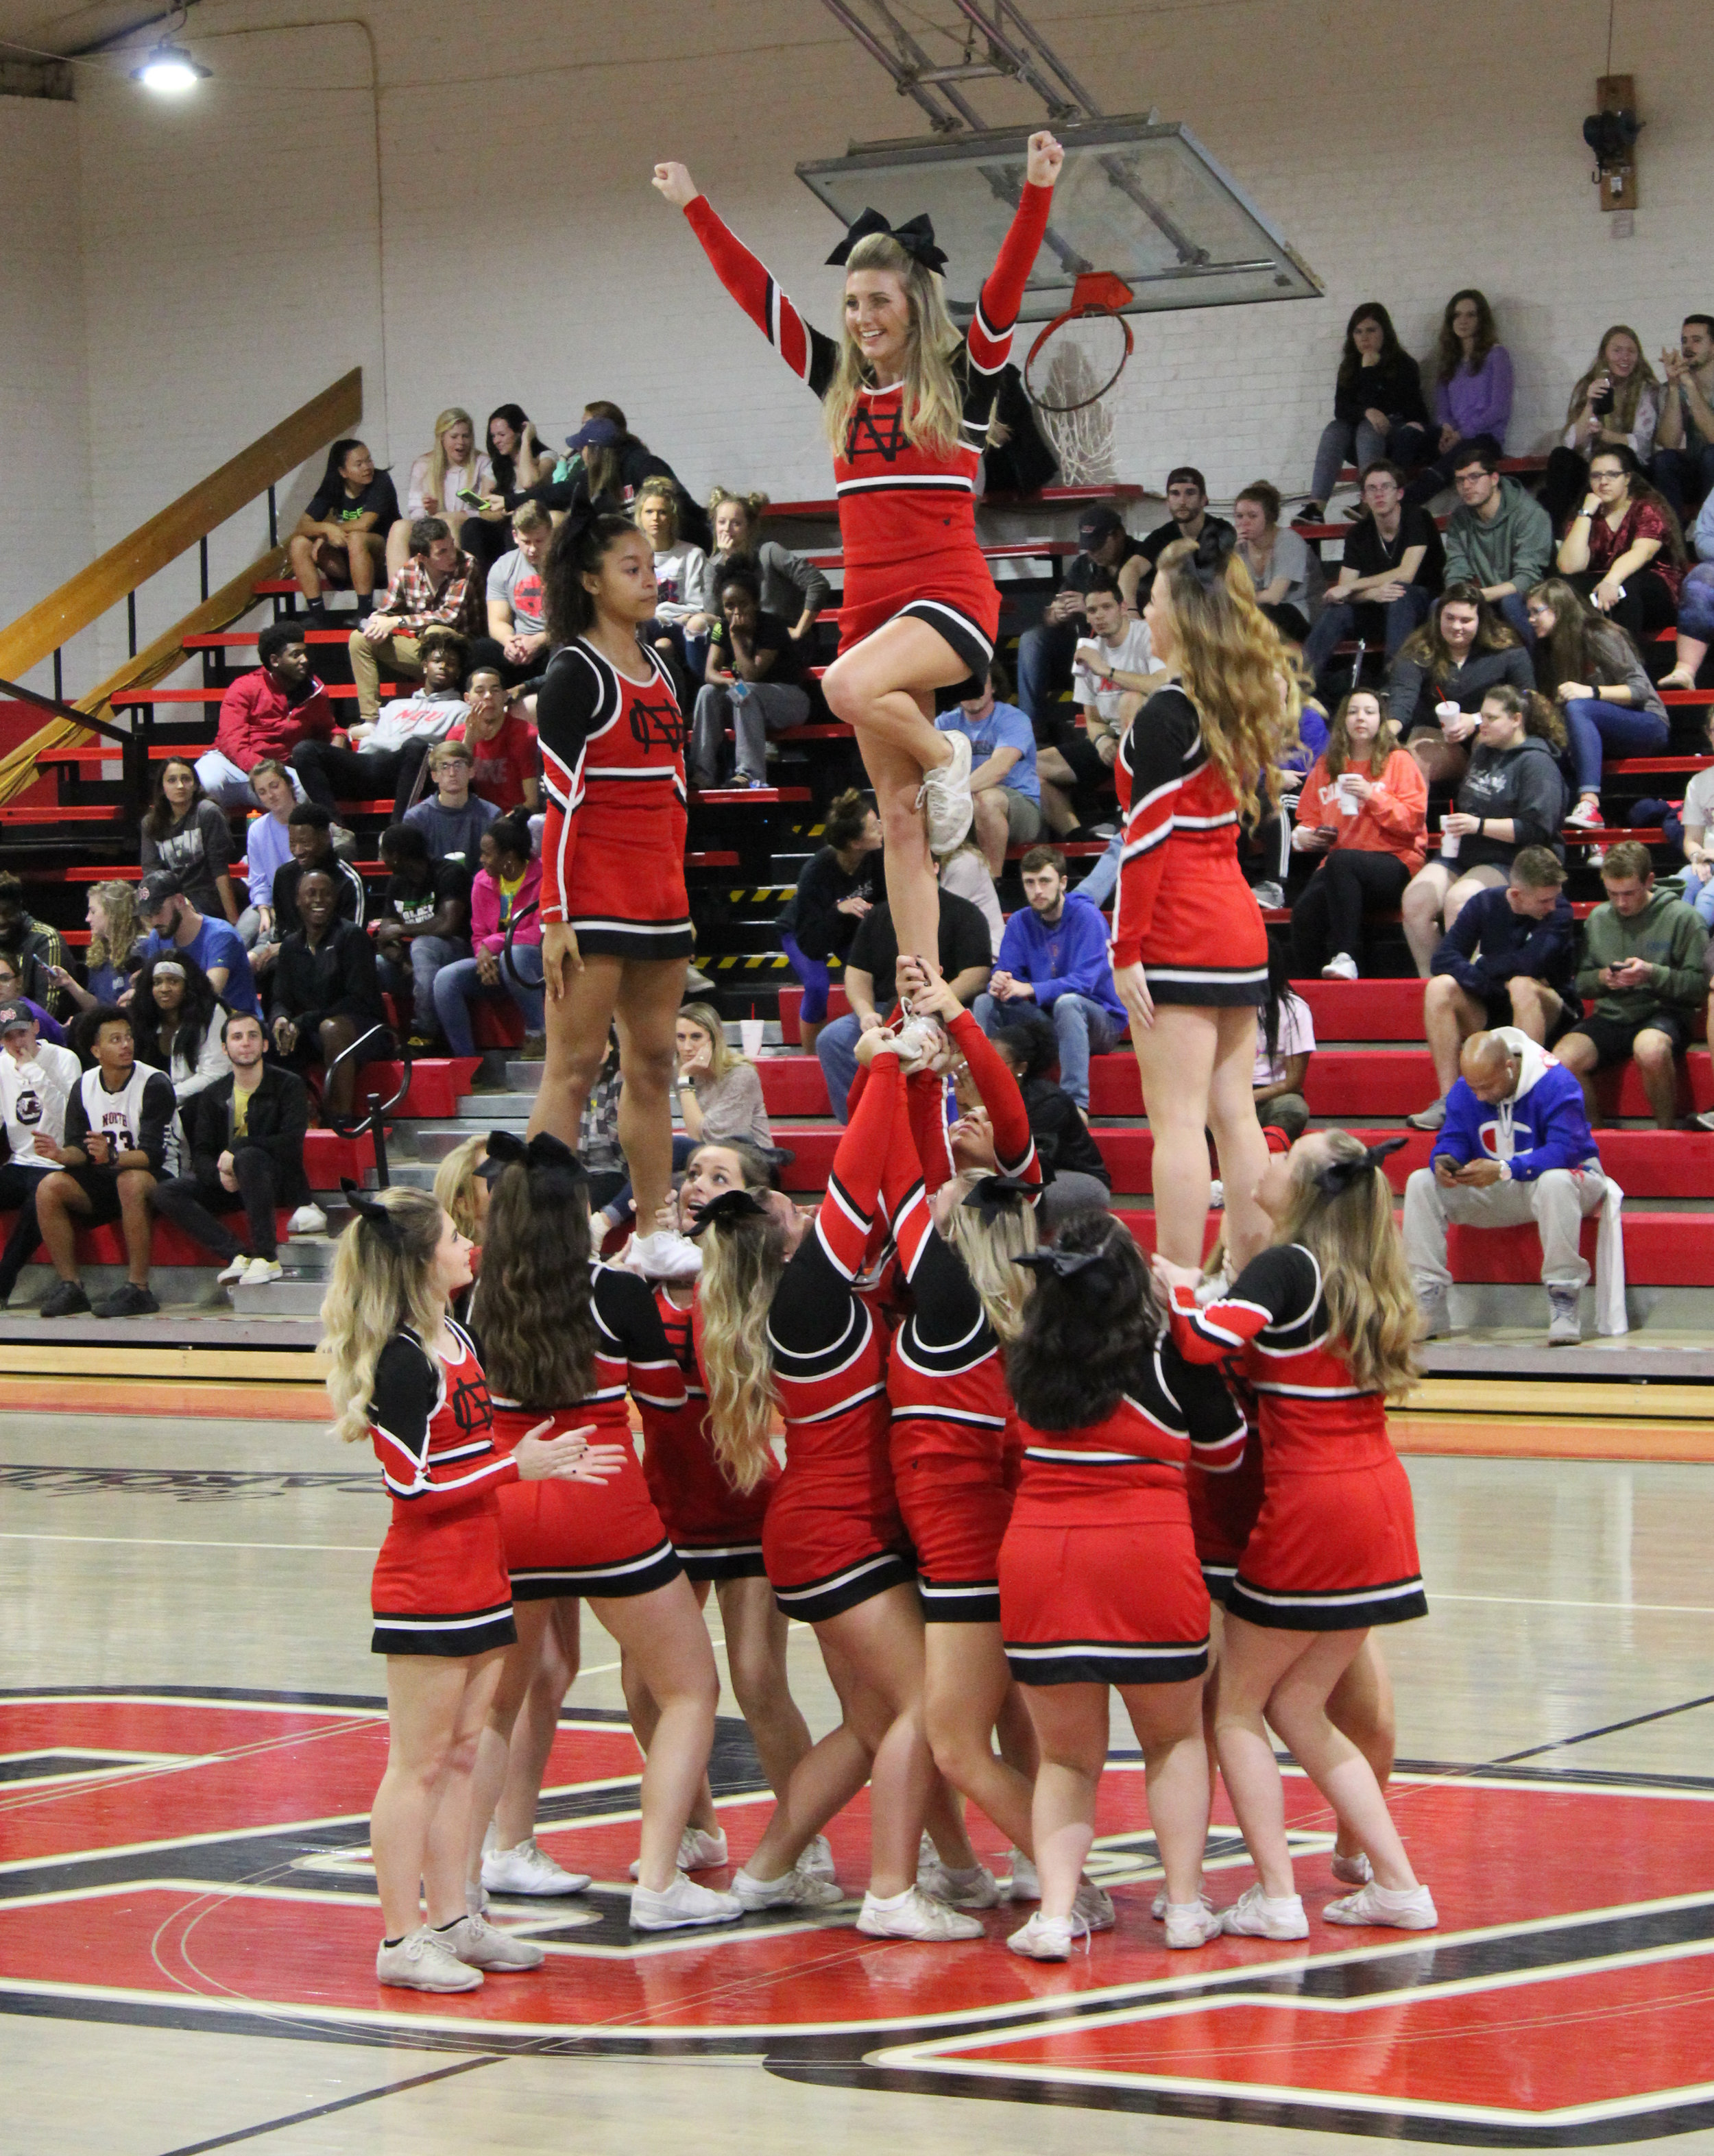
(1046, 653)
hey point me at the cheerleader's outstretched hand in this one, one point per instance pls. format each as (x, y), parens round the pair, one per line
(1042, 167)
(568, 1458)
(561, 961)
(1133, 993)
(675, 184)
(1168, 1276)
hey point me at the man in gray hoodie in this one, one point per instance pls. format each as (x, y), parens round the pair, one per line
(1499, 536)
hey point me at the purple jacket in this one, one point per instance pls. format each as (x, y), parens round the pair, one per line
(1479, 403)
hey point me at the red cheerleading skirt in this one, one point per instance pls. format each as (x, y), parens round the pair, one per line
(952, 592)
(956, 1503)
(440, 1585)
(715, 1529)
(1205, 942)
(834, 1535)
(1223, 1511)
(602, 1539)
(625, 896)
(1332, 1551)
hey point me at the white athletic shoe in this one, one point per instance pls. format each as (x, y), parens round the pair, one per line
(1026, 1885)
(796, 1889)
(699, 1851)
(230, 1276)
(946, 796)
(528, 1870)
(973, 1888)
(423, 1962)
(682, 1906)
(476, 1943)
(1404, 1909)
(1253, 1915)
(817, 1859)
(262, 1272)
(912, 1915)
(307, 1220)
(1341, 967)
(923, 1044)
(1048, 1938)
(1158, 1907)
(1352, 1871)
(1191, 1924)
(662, 1255)
(1093, 1907)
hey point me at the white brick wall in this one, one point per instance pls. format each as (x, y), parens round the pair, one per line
(230, 241)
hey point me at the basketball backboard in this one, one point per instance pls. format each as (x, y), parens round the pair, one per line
(1136, 197)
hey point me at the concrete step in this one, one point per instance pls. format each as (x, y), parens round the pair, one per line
(435, 1141)
(495, 1110)
(295, 1295)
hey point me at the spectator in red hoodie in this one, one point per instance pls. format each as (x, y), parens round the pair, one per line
(265, 714)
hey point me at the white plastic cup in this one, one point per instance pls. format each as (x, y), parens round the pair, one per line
(1348, 803)
(1449, 842)
(752, 1031)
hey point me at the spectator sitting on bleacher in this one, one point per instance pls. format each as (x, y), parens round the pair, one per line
(245, 1154)
(965, 956)
(608, 466)
(177, 930)
(1596, 675)
(1696, 605)
(438, 480)
(1512, 795)
(267, 849)
(1280, 565)
(1046, 653)
(1391, 570)
(35, 950)
(1696, 817)
(36, 1079)
(792, 588)
(1615, 405)
(175, 1020)
(1499, 538)
(719, 1092)
(752, 682)
(452, 819)
(114, 954)
(1460, 652)
(516, 623)
(118, 1119)
(1284, 1041)
(1076, 1174)
(1187, 517)
(1004, 790)
(341, 536)
(265, 714)
(1472, 391)
(1515, 1147)
(1684, 441)
(1509, 959)
(1643, 972)
(324, 995)
(1053, 958)
(1363, 808)
(1624, 550)
(11, 993)
(424, 924)
(836, 887)
(507, 765)
(309, 837)
(1110, 677)
(964, 873)
(680, 567)
(1379, 410)
(186, 835)
(434, 589)
(386, 753)
(505, 895)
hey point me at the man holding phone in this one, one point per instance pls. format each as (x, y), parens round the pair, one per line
(434, 587)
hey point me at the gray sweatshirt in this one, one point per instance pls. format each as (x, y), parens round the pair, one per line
(1515, 549)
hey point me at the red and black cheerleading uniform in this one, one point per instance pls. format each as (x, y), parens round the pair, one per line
(716, 1530)
(834, 1535)
(596, 1538)
(1334, 1546)
(1183, 910)
(1099, 1578)
(952, 1411)
(1225, 1502)
(907, 515)
(612, 761)
(440, 1584)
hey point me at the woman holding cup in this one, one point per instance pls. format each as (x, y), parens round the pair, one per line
(1436, 684)
(1363, 809)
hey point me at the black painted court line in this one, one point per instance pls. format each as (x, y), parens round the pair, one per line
(1611, 1729)
(340, 2103)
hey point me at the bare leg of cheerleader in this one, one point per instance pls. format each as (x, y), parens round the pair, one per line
(518, 1668)
(420, 1823)
(663, 1632)
(755, 1630)
(913, 884)
(646, 1014)
(577, 1045)
(1071, 1728)
(537, 1723)
(1361, 1707)
(824, 1780)
(1176, 1058)
(1242, 1149)
(1015, 1733)
(1167, 1720)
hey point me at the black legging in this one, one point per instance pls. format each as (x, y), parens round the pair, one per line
(1328, 917)
(328, 771)
(1647, 605)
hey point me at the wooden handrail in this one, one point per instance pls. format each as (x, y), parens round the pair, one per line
(55, 619)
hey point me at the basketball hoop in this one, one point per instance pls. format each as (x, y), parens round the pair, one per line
(1082, 352)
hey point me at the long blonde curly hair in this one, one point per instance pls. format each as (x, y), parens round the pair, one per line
(933, 404)
(119, 907)
(989, 1249)
(1245, 686)
(743, 1260)
(376, 1288)
(1372, 1305)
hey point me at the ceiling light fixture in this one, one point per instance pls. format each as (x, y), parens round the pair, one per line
(168, 69)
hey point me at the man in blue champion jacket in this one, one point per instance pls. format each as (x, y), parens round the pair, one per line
(1053, 958)
(1516, 1146)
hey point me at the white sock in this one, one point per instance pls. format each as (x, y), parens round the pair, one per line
(889, 1901)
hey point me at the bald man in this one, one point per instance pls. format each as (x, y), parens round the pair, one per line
(1516, 1146)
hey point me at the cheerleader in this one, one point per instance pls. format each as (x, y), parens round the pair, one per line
(1099, 1580)
(1190, 954)
(567, 1335)
(803, 1331)
(907, 403)
(404, 1374)
(1323, 1323)
(617, 936)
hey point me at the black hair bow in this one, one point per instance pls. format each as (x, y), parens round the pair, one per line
(1339, 1175)
(1064, 1264)
(378, 1216)
(554, 1170)
(995, 1195)
(730, 1205)
(1214, 550)
(915, 237)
